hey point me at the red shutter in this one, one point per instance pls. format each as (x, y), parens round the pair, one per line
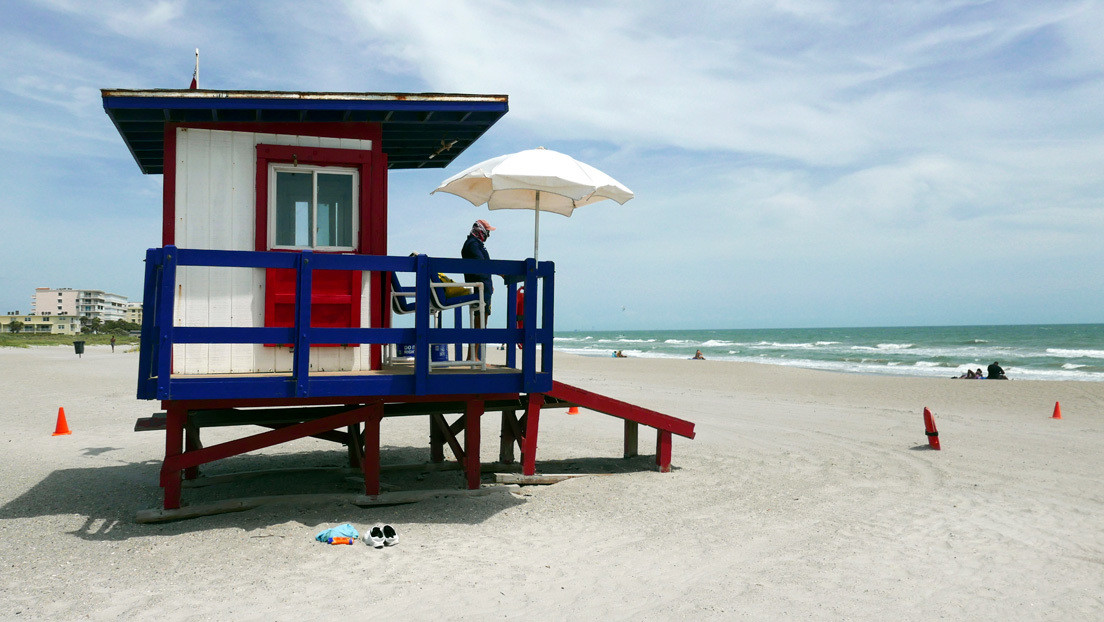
(335, 299)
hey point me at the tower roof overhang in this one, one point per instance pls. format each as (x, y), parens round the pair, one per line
(419, 130)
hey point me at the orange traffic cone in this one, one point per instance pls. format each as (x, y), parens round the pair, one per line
(1057, 411)
(573, 410)
(62, 427)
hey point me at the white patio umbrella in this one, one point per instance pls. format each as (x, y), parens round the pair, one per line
(538, 179)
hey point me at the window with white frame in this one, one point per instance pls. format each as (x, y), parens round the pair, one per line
(312, 207)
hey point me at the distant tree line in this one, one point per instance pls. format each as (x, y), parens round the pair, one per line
(111, 327)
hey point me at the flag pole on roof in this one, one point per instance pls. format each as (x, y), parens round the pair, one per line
(195, 74)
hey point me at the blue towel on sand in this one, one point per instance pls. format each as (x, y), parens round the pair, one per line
(341, 531)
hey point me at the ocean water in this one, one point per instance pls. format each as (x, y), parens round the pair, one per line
(1031, 352)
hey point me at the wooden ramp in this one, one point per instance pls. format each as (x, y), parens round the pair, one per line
(634, 416)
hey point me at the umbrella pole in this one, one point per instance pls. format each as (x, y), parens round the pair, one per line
(536, 228)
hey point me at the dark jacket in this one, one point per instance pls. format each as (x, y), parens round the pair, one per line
(474, 249)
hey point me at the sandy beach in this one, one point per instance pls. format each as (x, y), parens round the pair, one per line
(806, 495)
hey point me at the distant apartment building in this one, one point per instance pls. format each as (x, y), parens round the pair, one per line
(134, 312)
(90, 303)
(53, 324)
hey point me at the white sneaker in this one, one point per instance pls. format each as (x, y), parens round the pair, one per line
(375, 537)
(390, 536)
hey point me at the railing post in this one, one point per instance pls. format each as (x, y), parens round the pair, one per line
(529, 334)
(458, 322)
(165, 322)
(300, 366)
(421, 324)
(147, 350)
(547, 323)
(511, 319)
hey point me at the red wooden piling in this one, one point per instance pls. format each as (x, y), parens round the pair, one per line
(529, 448)
(371, 462)
(663, 451)
(174, 446)
(472, 412)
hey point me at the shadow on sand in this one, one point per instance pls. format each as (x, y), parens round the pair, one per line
(109, 497)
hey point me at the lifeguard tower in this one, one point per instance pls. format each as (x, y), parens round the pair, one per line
(269, 302)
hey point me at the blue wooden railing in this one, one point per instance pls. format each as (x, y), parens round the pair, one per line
(534, 375)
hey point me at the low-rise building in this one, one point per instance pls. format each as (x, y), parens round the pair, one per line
(133, 312)
(54, 324)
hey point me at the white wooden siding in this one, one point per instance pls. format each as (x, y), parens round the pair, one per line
(216, 209)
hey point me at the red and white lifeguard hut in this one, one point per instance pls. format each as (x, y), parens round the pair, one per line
(269, 300)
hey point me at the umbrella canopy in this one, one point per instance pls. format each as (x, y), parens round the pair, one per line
(538, 179)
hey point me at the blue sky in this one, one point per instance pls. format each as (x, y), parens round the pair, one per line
(796, 163)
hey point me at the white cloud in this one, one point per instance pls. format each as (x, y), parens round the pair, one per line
(158, 20)
(762, 86)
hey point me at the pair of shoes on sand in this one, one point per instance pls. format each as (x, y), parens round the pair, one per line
(382, 535)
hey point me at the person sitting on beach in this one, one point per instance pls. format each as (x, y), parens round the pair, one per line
(996, 373)
(620, 354)
(698, 356)
(979, 374)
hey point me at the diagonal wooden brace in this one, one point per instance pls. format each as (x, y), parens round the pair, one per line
(354, 441)
(448, 432)
(511, 434)
(191, 442)
(180, 461)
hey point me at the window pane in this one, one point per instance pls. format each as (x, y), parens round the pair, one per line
(335, 210)
(293, 213)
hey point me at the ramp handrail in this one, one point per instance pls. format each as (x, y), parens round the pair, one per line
(623, 410)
